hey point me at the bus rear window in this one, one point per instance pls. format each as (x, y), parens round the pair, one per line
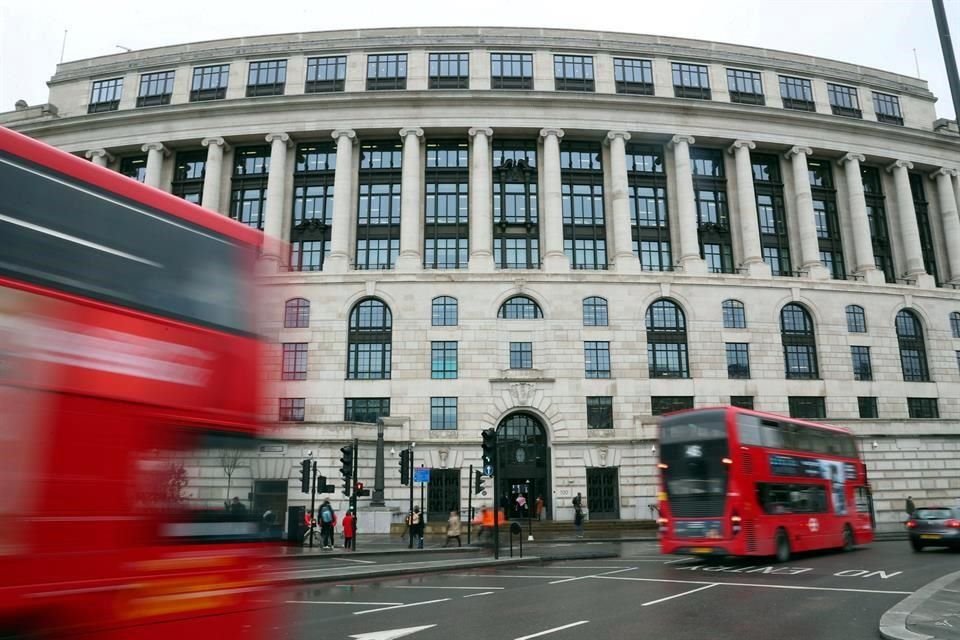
(693, 427)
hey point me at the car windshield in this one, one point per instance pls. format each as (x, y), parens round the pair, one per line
(933, 514)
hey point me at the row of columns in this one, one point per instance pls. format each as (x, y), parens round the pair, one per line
(688, 256)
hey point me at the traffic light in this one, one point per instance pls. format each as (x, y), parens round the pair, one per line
(405, 467)
(478, 482)
(305, 476)
(346, 467)
(489, 451)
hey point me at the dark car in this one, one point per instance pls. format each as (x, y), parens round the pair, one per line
(934, 527)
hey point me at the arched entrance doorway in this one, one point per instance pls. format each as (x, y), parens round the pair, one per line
(523, 461)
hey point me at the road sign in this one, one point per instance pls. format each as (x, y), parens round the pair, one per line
(421, 474)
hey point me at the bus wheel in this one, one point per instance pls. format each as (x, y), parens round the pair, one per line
(783, 546)
(847, 538)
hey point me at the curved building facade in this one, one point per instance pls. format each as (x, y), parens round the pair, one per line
(560, 234)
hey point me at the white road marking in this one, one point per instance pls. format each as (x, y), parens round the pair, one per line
(753, 584)
(595, 575)
(579, 566)
(354, 560)
(543, 633)
(390, 634)
(484, 593)
(405, 586)
(400, 606)
(375, 604)
(504, 575)
(678, 595)
(681, 560)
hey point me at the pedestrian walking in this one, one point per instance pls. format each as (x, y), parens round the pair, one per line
(328, 520)
(453, 529)
(416, 527)
(521, 505)
(350, 531)
(538, 506)
(578, 521)
(910, 508)
(237, 508)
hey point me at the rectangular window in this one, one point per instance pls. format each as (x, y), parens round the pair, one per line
(516, 234)
(597, 359)
(867, 406)
(294, 361)
(209, 83)
(292, 409)
(443, 414)
(826, 217)
(743, 402)
(660, 405)
(134, 167)
(877, 219)
(378, 208)
(745, 86)
(310, 229)
(713, 220)
(771, 213)
(266, 78)
(862, 370)
(810, 407)
(797, 94)
(691, 81)
(248, 195)
(647, 198)
(188, 175)
(155, 89)
(105, 95)
(800, 361)
(443, 360)
(584, 229)
(738, 360)
(599, 412)
(921, 207)
(446, 229)
(633, 76)
(386, 71)
(521, 355)
(449, 70)
(573, 73)
(365, 409)
(511, 71)
(325, 75)
(844, 100)
(923, 408)
(887, 108)
(369, 360)
(308, 255)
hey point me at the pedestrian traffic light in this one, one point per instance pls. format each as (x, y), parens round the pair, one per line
(346, 467)
(405, 467)
(478, 482)
(489, 451)
(305, 476)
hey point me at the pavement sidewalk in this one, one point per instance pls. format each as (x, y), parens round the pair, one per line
(930, 613)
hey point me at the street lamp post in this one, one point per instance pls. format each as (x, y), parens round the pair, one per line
(376, 500)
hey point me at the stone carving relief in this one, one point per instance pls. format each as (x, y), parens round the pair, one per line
(522, 393)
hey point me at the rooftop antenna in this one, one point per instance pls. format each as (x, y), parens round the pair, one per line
(128, 49)
(916, 61)
(64, 47)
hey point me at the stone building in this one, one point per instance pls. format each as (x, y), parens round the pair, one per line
(560, 234)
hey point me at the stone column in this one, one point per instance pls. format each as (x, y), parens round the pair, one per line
(806, 222)
(273, 211)
(554, 259)
(623, 259)
(99, 157)
(155, 153)
(909, 230)
(951, 222)
(339, 259)
(747, 210)
(686, 209)
(411, 185)
(864, 263)
(213, 173)
(481, 205)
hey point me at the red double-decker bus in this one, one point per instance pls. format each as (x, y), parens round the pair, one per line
(745, 483)
(127, 358)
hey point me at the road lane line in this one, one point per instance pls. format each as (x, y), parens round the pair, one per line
(752, 584)
(484, 593)
(503, 575)
(678, 595)
(543, 633)
(682, 560)
(401, 606)
(595, 575)
(355, 560)
(375, 604)
(405, 586)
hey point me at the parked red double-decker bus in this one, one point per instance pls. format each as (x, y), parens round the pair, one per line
(127, 354)
(745, 483)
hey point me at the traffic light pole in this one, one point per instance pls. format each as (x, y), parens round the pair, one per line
(496, 510)
(410, 515)
(313, 499)
(353, 500)
(469, 503)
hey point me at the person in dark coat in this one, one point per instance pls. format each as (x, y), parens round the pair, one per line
(416, 527)
(910, 508)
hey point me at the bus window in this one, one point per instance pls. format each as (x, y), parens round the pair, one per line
(777, 498)
(772, 434)
(748, 429)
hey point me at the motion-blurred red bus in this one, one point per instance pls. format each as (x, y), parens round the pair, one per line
(744, 483)
(127, 354)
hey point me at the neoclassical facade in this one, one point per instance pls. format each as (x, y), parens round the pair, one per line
(559, 234)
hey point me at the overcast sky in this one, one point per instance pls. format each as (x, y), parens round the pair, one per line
(875, 33)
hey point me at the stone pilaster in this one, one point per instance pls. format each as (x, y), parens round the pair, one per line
(685, 215)
(99, 157)
(213, 173)
(623, 259)
(864, 263)
(951, 222)
(481, 205)
(411, 185)
(806, 222)
(554, 258)
(909, 229)
(747, 210)
(156, 152)
(273, 209)
(339, 259)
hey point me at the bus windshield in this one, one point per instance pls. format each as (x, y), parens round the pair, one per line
(693, 447)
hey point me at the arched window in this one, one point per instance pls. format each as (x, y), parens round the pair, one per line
(444, 312)
(856, 319)
(667, 340)
(369, 339)
(734, 316)
(913, 352)
(296, 313)
(594, 312)
(519, 308)
(799, 343)
(955, 323)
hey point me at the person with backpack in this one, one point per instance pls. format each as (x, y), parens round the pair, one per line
(416, 527)
(328, 520)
